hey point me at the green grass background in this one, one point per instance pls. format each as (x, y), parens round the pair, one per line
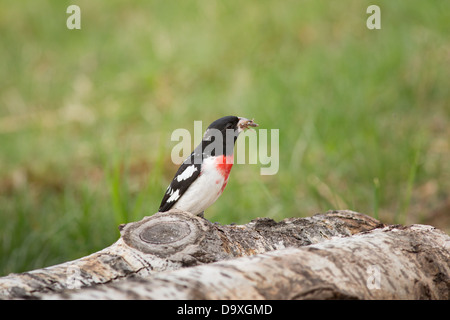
(86, 115)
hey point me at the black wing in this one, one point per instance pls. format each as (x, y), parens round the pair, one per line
(189, 171)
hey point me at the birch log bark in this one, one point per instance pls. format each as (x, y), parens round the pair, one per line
(389, 263)
(134, 266)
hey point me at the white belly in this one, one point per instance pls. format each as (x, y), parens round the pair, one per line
(204, 191)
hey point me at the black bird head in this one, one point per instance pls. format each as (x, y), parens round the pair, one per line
(226, 130)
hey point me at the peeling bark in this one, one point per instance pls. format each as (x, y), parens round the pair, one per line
(174, 240)
(395, 262)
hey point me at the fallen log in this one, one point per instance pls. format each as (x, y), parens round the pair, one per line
(174, 240)
(394, 262)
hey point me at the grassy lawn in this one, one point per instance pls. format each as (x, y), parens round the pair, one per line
(86, 115)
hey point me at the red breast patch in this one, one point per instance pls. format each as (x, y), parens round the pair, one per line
(224, 164)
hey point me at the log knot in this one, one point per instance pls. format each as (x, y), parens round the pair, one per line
(164, 234)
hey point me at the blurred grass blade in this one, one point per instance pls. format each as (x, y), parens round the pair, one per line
(118, 200)
(376, 197)
(402, 213)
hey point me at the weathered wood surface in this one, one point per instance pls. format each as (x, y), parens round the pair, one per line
(174, 240)
(394, 262)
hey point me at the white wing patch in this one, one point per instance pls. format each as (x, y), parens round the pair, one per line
(187, 173)
(174, 196)
(204, 191)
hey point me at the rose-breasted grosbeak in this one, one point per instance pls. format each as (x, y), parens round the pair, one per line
(202, 177)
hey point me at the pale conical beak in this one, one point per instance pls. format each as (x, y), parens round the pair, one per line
(245, 123)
